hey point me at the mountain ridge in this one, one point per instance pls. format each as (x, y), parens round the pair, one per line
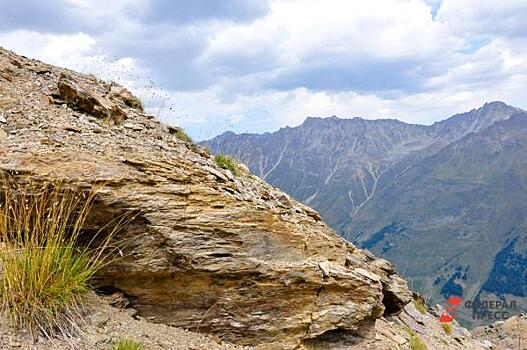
(311, 119)
(373, 166)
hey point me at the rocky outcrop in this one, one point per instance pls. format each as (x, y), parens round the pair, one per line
(204, 249)
(431, 194)
(83, 98)
(413, 328)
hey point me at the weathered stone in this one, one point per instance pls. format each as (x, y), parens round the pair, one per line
(8, 102)
(503, 334)
(98, 319)
(135, 127)
(39, 68)
(120, 93)
(72, 128)
(244, 169)
(200, 150)
(396, 293)
(311, 212)
(7, 69)
(77, 95)
(204, 250)
(130, 311)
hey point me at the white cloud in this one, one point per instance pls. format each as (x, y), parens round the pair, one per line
(300, 33)
(375, 59)
(485, 17)
(59, 49)
(76, 51)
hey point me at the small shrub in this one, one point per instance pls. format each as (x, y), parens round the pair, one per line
(227, 162)
(44, 273)
(447, 327)
(415, 341)
(127, 344)
(420, 305)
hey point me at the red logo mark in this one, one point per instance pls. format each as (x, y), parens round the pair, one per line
(451, 306)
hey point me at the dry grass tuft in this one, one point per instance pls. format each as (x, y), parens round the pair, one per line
(134, 102)
(415, 341)
(44, 271)
(180, 134)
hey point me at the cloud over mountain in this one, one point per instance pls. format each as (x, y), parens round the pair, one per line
(257, 65)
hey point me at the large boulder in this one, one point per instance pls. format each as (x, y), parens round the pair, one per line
(204, 249)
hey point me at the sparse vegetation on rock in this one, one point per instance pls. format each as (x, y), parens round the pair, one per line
(415, 341)
(447, 328)
(127, 344)
(180, 134)
(120, 93)
(134, 102)
(228, 163)
(420, 305)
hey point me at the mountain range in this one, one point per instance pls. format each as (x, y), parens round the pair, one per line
(444, 202)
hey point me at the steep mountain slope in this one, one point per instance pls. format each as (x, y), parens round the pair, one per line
(462, 213)
(333, 164)
(377, 183)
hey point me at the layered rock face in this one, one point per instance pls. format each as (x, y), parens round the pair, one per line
(450, 195)
(205, 250)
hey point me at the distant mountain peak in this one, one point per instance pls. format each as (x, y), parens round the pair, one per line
(315, 120)
(482, 112)
(495, 104)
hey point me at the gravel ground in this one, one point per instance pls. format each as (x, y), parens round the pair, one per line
(105, 325)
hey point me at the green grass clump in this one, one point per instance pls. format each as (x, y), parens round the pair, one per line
(420, 305)
(415, 341)
(417, 344)
(180, 134)
(44, 272)
(127, 344)
(447, 327)
(227, 162)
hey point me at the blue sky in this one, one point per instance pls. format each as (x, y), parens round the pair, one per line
(258, 65)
